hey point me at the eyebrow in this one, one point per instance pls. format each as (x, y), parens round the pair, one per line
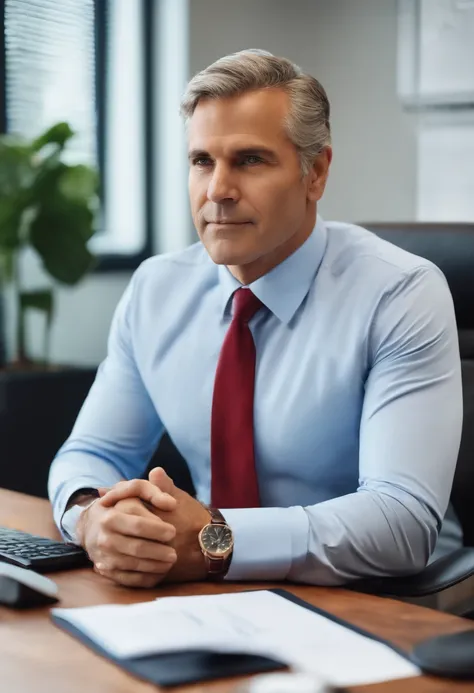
(246, 151)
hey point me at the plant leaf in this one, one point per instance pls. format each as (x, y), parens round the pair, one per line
(79, 182)
(46, 185)
(17, 170)
(58, 134)
(10, 223)
(61, 241)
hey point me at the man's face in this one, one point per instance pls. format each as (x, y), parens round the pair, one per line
(250, 204)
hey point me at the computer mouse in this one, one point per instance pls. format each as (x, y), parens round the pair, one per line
(449, 655)
(21, 588)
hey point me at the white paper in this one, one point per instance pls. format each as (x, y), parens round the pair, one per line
(257, 622)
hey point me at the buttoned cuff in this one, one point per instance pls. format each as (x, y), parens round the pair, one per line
(68, 524)
(268, 542)
(61, 489)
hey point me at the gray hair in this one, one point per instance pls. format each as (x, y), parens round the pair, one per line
(307, 123)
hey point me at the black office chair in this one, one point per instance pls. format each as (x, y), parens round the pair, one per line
(451, 248)
(174, 464)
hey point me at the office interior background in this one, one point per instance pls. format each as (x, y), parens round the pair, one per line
(400, 78)
(398, 75)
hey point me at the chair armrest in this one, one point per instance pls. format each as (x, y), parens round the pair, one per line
(436, 577)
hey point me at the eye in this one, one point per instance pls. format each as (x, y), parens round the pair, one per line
(202, 161)
(251, 160)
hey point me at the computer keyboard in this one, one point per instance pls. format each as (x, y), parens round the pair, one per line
(39, 553)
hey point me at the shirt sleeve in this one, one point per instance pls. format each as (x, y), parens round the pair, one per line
(410, 433)
(117, 429)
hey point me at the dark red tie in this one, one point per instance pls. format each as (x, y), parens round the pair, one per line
(233, 477)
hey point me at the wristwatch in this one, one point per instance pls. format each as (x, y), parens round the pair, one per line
(217, 544)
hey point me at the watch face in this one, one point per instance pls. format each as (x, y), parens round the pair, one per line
(216, 539)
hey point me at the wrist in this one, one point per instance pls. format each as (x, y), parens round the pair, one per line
(82, 497)
(196, 555)
(83, 509)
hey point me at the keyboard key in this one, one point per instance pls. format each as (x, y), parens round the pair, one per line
(39, 553)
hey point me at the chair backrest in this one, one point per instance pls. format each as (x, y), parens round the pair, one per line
(451, 248)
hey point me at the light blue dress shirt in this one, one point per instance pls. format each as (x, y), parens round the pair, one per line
(358, 404)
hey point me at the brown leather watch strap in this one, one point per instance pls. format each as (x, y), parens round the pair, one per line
(217, 568)
(217, 518)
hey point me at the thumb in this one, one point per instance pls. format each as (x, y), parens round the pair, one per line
(158, 477)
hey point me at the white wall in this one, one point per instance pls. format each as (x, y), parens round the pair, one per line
(350, 46)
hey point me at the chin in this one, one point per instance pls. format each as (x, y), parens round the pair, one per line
(225, 253)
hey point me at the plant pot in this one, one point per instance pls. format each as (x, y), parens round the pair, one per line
(37, 411)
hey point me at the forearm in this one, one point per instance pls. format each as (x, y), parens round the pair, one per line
(381, 531)
(364, 534)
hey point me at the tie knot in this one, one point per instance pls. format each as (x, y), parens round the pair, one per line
(245, 305)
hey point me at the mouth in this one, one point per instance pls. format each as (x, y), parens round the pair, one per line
(223, 222)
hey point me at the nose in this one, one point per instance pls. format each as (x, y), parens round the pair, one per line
(222, 186)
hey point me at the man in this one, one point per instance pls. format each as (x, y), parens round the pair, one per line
(308, 372)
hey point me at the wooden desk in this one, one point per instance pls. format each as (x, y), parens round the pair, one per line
(37, 657)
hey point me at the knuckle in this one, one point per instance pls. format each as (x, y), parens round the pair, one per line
(113, 563)
(125, 487)
(150, 580)
(162, 554)
(108, 519)
(135, 564)
(120, 578)
(151, 567)
(136, 525)
(104, 541)
(127, 505)
(141, 548)
(168, 531)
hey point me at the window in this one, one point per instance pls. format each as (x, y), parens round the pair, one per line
(436, 82)
(446, 167)
(87, 62)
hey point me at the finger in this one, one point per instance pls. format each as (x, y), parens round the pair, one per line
(115, 544)
(139, 488)
(158, 477)
(103, 490)
(132, 563)
(131, 579)
(151, 527)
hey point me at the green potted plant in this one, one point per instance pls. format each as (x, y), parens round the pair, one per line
(49, 206)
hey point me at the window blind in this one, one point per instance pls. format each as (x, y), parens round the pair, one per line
(50, 64)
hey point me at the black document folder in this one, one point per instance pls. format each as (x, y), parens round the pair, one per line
(179, 668)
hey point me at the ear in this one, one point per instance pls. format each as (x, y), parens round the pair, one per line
(318, 174)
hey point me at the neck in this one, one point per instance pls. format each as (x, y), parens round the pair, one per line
(246, 274)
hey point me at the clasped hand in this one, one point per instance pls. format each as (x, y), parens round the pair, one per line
(140, 533)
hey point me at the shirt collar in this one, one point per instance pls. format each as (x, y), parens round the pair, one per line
(283, 289)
